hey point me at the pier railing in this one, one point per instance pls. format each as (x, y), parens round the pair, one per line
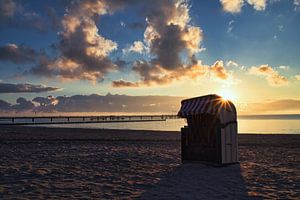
(36, 120)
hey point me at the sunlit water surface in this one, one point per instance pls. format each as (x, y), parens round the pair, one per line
(258, 126)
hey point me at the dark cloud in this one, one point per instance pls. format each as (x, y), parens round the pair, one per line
(22, 105)
(96, 103)
(83, 52)
(8, 8)
(17, 54)
(122, 83)
(13, 14)
(4, 106)
(117, 103)
(46, 104)
(168, 35)
(167, 47)
(43, 67)
(25, 88)
(125, 103)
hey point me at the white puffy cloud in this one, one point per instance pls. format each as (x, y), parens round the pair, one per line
(258, 4)
(235, 6)
(232, 6)
(297, 4)
(231, 63)
(284, 67)
(137, 47)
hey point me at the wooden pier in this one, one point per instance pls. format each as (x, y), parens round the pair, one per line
(39, 120)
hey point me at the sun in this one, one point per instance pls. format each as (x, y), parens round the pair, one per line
(228, 95)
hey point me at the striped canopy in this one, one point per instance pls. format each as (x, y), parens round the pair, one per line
(209, 104)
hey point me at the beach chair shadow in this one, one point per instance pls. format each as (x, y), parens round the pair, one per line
(198, 181)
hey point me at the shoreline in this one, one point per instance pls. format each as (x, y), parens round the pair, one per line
(27, 133)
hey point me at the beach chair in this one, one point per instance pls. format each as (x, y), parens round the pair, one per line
(211, 132)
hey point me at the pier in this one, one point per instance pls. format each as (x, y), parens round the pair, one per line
(39, 120)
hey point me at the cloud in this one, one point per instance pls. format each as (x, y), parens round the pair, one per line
(25, 88)
(137, 46)
(298, 77)
(4, 106)
(284, 67)
(17, 54)
(45, 101)
(231, 63)
(13, 14)
(126, 103)
(271, 75)
(83, 51)
(46, 104)
(153, 75)
(22, 105)
(122, 24)
(117, 103)
(235, 6)
(258, 4)
(8, 8)
(230, 27)
(168, 35)
(234, 64)
(232, 6)
(297, 4)
(219, 70)
(95, 103)
(122, 83)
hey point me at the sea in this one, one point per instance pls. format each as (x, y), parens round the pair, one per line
(254, 124)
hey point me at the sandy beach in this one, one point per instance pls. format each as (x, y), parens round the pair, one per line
(61, 163)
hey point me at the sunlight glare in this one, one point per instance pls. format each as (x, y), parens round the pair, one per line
(228, 95)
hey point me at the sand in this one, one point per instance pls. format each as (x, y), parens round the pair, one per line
(57, 163)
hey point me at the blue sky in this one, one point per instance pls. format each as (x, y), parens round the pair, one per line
(259, 38)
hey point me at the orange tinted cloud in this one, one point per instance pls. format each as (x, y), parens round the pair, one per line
(272, 76)
(218, 70)
(122, 83)
(232, 6)
(156, 75)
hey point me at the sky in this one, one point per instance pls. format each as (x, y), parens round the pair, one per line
(246, 50)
